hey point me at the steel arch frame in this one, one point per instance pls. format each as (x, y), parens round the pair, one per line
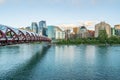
(13, 36)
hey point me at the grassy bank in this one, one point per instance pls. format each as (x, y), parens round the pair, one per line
(110, 41)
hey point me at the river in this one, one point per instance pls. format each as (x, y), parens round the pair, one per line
(59, 62)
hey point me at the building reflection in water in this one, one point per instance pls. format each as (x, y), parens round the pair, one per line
(64, 55)
(90, 54)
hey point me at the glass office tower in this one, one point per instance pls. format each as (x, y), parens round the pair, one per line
(34, 27)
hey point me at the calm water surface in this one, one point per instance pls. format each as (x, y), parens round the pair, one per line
(38, 62)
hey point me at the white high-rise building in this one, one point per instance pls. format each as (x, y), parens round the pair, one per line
(102, 26)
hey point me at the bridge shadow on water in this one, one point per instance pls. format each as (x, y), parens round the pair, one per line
(24, 70)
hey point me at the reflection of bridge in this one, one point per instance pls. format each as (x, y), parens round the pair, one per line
(10, 35)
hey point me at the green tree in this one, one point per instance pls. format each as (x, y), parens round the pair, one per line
(103, 36)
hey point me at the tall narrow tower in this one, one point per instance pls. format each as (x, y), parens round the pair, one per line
(34, 27)
(42, 28)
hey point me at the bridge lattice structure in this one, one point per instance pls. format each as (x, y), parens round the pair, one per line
(9, 35)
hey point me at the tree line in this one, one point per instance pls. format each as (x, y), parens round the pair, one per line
(101, 39)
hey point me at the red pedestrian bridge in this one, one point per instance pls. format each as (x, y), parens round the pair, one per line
(9, 35)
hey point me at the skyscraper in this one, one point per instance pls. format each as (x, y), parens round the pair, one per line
(42, 24)
(34, 27)
(42, 28)
(51, 32)
(102, 26)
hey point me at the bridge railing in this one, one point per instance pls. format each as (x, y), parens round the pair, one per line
(9, 35)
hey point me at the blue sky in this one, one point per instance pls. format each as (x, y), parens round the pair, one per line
(20, 13)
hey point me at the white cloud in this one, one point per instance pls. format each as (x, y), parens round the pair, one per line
(89, 23)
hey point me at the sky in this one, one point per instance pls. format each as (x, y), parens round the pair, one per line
(21, 13)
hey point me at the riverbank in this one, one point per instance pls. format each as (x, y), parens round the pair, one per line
(88, 42)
